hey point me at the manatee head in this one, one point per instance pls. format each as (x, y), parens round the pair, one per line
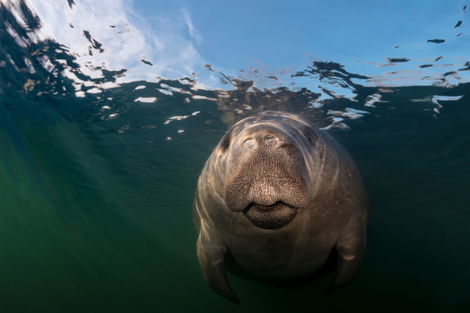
(269, 166)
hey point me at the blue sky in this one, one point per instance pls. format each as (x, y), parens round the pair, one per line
(179, 36)
(280, 34)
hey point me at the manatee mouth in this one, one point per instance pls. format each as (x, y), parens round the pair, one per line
(272, 216)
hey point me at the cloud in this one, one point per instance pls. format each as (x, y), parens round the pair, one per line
(189, 23)
(112, 34)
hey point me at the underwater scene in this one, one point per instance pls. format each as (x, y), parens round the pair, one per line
(109, 110)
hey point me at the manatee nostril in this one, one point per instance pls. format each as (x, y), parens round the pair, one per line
(270, 140)
(250, 143)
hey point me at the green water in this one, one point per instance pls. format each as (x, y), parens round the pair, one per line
(93, 220)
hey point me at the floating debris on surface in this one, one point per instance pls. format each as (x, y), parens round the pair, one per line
(176, 118)
(398, 60)
(439, 106)
(437, 98)
(94, 90)
(165, 92)
(198, 97)
(147, 62)
(112, 116)
(146, 99)
(373, 99)
(436, 40)
(349, 113)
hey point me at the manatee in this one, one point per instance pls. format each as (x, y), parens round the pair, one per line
(279, 195)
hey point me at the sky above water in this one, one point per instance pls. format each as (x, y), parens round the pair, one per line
(283, 34)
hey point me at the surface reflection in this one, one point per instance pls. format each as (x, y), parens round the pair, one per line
(93, 53)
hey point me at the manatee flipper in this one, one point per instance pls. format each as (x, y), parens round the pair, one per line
(351, 247)
(210, 253)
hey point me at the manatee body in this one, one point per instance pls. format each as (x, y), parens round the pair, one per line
(279, 195)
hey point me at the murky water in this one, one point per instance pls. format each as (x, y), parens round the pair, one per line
(98, 170)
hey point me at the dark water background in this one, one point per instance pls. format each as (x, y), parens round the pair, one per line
(96, 208)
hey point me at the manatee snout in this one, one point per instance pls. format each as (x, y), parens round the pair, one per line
(265, 179)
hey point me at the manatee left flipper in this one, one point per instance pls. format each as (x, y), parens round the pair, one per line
(351, 247)
(211, 253)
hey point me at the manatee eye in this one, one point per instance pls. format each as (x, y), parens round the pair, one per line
(311, 135)
(225, 142)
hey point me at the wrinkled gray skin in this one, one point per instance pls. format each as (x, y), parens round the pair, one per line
(279, 194)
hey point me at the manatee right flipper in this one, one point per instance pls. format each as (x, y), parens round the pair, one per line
(210, 253)
(351, 247)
